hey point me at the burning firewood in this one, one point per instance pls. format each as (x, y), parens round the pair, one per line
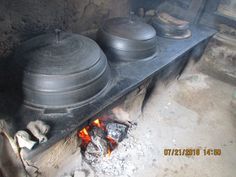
(116, 131)
(98, 146)
(95, 149)
(101, 137)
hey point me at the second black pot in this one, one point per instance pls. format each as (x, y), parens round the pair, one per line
(127, 39)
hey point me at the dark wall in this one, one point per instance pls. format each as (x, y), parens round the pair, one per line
(146, 4)
(189, 10)
(217, 12)
(22, 19)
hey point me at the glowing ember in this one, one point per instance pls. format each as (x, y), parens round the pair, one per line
(97, 123)
(108, 152)
(85, 135)
(112, 142)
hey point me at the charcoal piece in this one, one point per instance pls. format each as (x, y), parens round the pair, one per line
(97, 132)
(98, 147)
(116, 131)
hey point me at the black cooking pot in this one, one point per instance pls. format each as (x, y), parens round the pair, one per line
(127, 39)
(171, 27)
(61, 70)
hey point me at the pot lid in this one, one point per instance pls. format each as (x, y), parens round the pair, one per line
(130, 28)
(173, 22)
(58, 54)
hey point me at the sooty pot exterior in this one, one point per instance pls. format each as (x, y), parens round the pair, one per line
(61, 70)
(127, 39)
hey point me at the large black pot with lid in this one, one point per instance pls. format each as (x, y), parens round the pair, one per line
(61, 70)
(127, 39)
(170, 26)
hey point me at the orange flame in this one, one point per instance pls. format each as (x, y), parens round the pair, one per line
(97, 123)
(86, 138)
(108, 152)
(84, 135)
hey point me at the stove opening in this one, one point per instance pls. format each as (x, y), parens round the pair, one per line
(101, 137)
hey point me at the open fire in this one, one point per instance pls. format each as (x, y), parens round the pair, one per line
(101, 137)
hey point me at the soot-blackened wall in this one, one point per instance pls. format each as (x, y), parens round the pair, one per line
(23, 19)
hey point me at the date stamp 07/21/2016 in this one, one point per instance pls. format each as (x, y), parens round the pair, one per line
(192, 152)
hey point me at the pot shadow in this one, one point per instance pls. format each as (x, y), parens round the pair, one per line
(11, 94)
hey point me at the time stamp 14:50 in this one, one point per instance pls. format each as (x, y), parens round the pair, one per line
(192, 152)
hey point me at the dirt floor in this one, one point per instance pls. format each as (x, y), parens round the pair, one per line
(194, 112)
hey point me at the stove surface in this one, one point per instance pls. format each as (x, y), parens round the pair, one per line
(171, 58)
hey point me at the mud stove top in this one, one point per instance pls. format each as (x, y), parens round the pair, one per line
(172, 56)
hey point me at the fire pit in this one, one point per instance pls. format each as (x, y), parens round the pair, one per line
(78, 93)
(126, 76)
(101, 137)
(68, 84)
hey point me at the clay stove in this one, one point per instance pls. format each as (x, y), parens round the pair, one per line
(99, 126)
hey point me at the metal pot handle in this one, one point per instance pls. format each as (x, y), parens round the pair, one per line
(58, 35)
(131, 16)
